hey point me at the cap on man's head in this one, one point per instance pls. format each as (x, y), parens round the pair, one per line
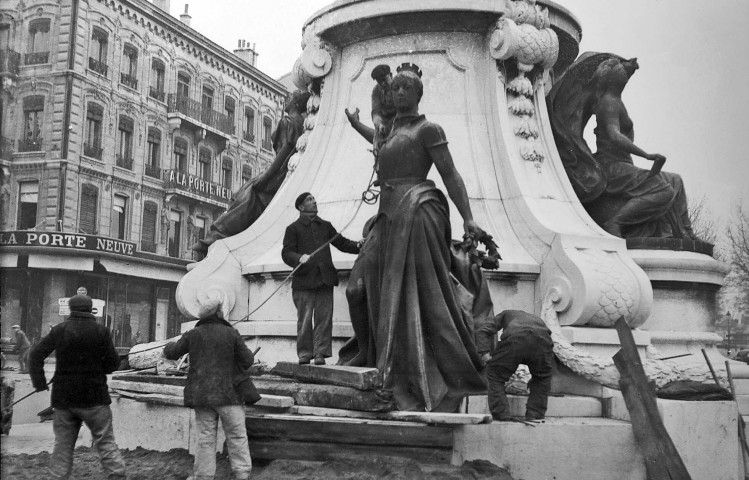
(380, 71)
(80, 303)
(300, 199)
(16, 327)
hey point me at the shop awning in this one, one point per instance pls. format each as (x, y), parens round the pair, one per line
(58, 262)
(130, 268)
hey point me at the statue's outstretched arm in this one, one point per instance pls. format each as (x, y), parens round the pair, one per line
(364, 130)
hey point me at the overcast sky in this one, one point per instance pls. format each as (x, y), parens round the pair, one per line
(689, 100)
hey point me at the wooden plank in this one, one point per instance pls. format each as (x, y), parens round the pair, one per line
(347, 431)
(662, 460)
(268, 449)
(361, 378)
(430, 418)
(173, 395)
(309, 394)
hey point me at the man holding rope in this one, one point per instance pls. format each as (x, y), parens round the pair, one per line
(313, 282)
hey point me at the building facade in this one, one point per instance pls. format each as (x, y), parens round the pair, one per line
(123, 134)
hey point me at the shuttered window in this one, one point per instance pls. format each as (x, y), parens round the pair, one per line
(150, 211)
(88, 209)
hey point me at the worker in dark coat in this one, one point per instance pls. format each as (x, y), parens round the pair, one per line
(216, 351)
(84, 355)
(525, 339)
(312, 285)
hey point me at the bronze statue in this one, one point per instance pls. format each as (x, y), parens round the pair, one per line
(411, 320)
(254, 196)
(625, 200)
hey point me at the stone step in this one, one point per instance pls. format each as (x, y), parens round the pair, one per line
(559, 406)
(563, 447)
(743, 401)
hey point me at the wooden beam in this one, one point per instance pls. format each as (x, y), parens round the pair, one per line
(662, 460)
(173, 395)
(429, 418)
(269, 449)
(361, 378)
(347, 431)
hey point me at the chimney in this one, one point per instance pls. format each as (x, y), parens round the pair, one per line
(246, 52)
(185, 17)
(162, 4)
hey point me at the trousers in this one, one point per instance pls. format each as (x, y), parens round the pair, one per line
(233, 422)
(314, 340)
(66, 424)
(532, 350)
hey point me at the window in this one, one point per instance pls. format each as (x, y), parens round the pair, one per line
(267, 127)
(4, 36)
(33, 108)
(38, 47)
(153, 155)
(230, 109)
(204, 164)
(119, 216)
(183, 85)
(156, 89)
(92, 146)
(129, 73)
(180, 155)
(200, 227)
(97, 61)
(175, 225)
(246, 173)
(125, 142)
(226, 169)
(148, 232)
(249, 124)
(206, 100)
(88, 209)
(28, 197)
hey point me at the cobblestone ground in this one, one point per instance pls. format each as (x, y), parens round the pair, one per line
(177, 465)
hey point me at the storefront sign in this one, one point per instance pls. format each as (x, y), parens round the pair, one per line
(196, 185)
(74, 241)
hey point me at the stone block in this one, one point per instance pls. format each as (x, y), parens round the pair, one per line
(566, 406)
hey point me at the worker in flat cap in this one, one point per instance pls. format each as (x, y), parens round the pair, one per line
(312, 285)
(84, 355)
(21, 348)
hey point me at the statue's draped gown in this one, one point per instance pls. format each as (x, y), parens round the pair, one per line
(419, 317)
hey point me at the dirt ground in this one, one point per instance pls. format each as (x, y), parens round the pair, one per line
(177, 465)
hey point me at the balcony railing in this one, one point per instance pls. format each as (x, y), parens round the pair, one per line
(149, 247)
(99, 67)
(250, 137)
(93, 151)
(129, 81)
(195, 110)
(153, 171)
(10, 61)
(36, 58)
(155, 93)
(124, 162)
(30, 145)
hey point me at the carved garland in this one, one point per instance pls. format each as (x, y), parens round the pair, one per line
(523, 34)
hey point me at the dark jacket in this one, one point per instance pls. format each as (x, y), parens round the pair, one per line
(84, 355)
(216, 350)
(304, 236)
(511, 322)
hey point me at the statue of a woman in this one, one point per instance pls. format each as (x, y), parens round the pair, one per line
(411, 318)
(627, 201)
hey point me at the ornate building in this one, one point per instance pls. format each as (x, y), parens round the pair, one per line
(123, 134)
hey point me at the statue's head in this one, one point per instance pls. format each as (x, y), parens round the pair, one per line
(381, 74)
(614, 71)
(409, 74)
(297, 100)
